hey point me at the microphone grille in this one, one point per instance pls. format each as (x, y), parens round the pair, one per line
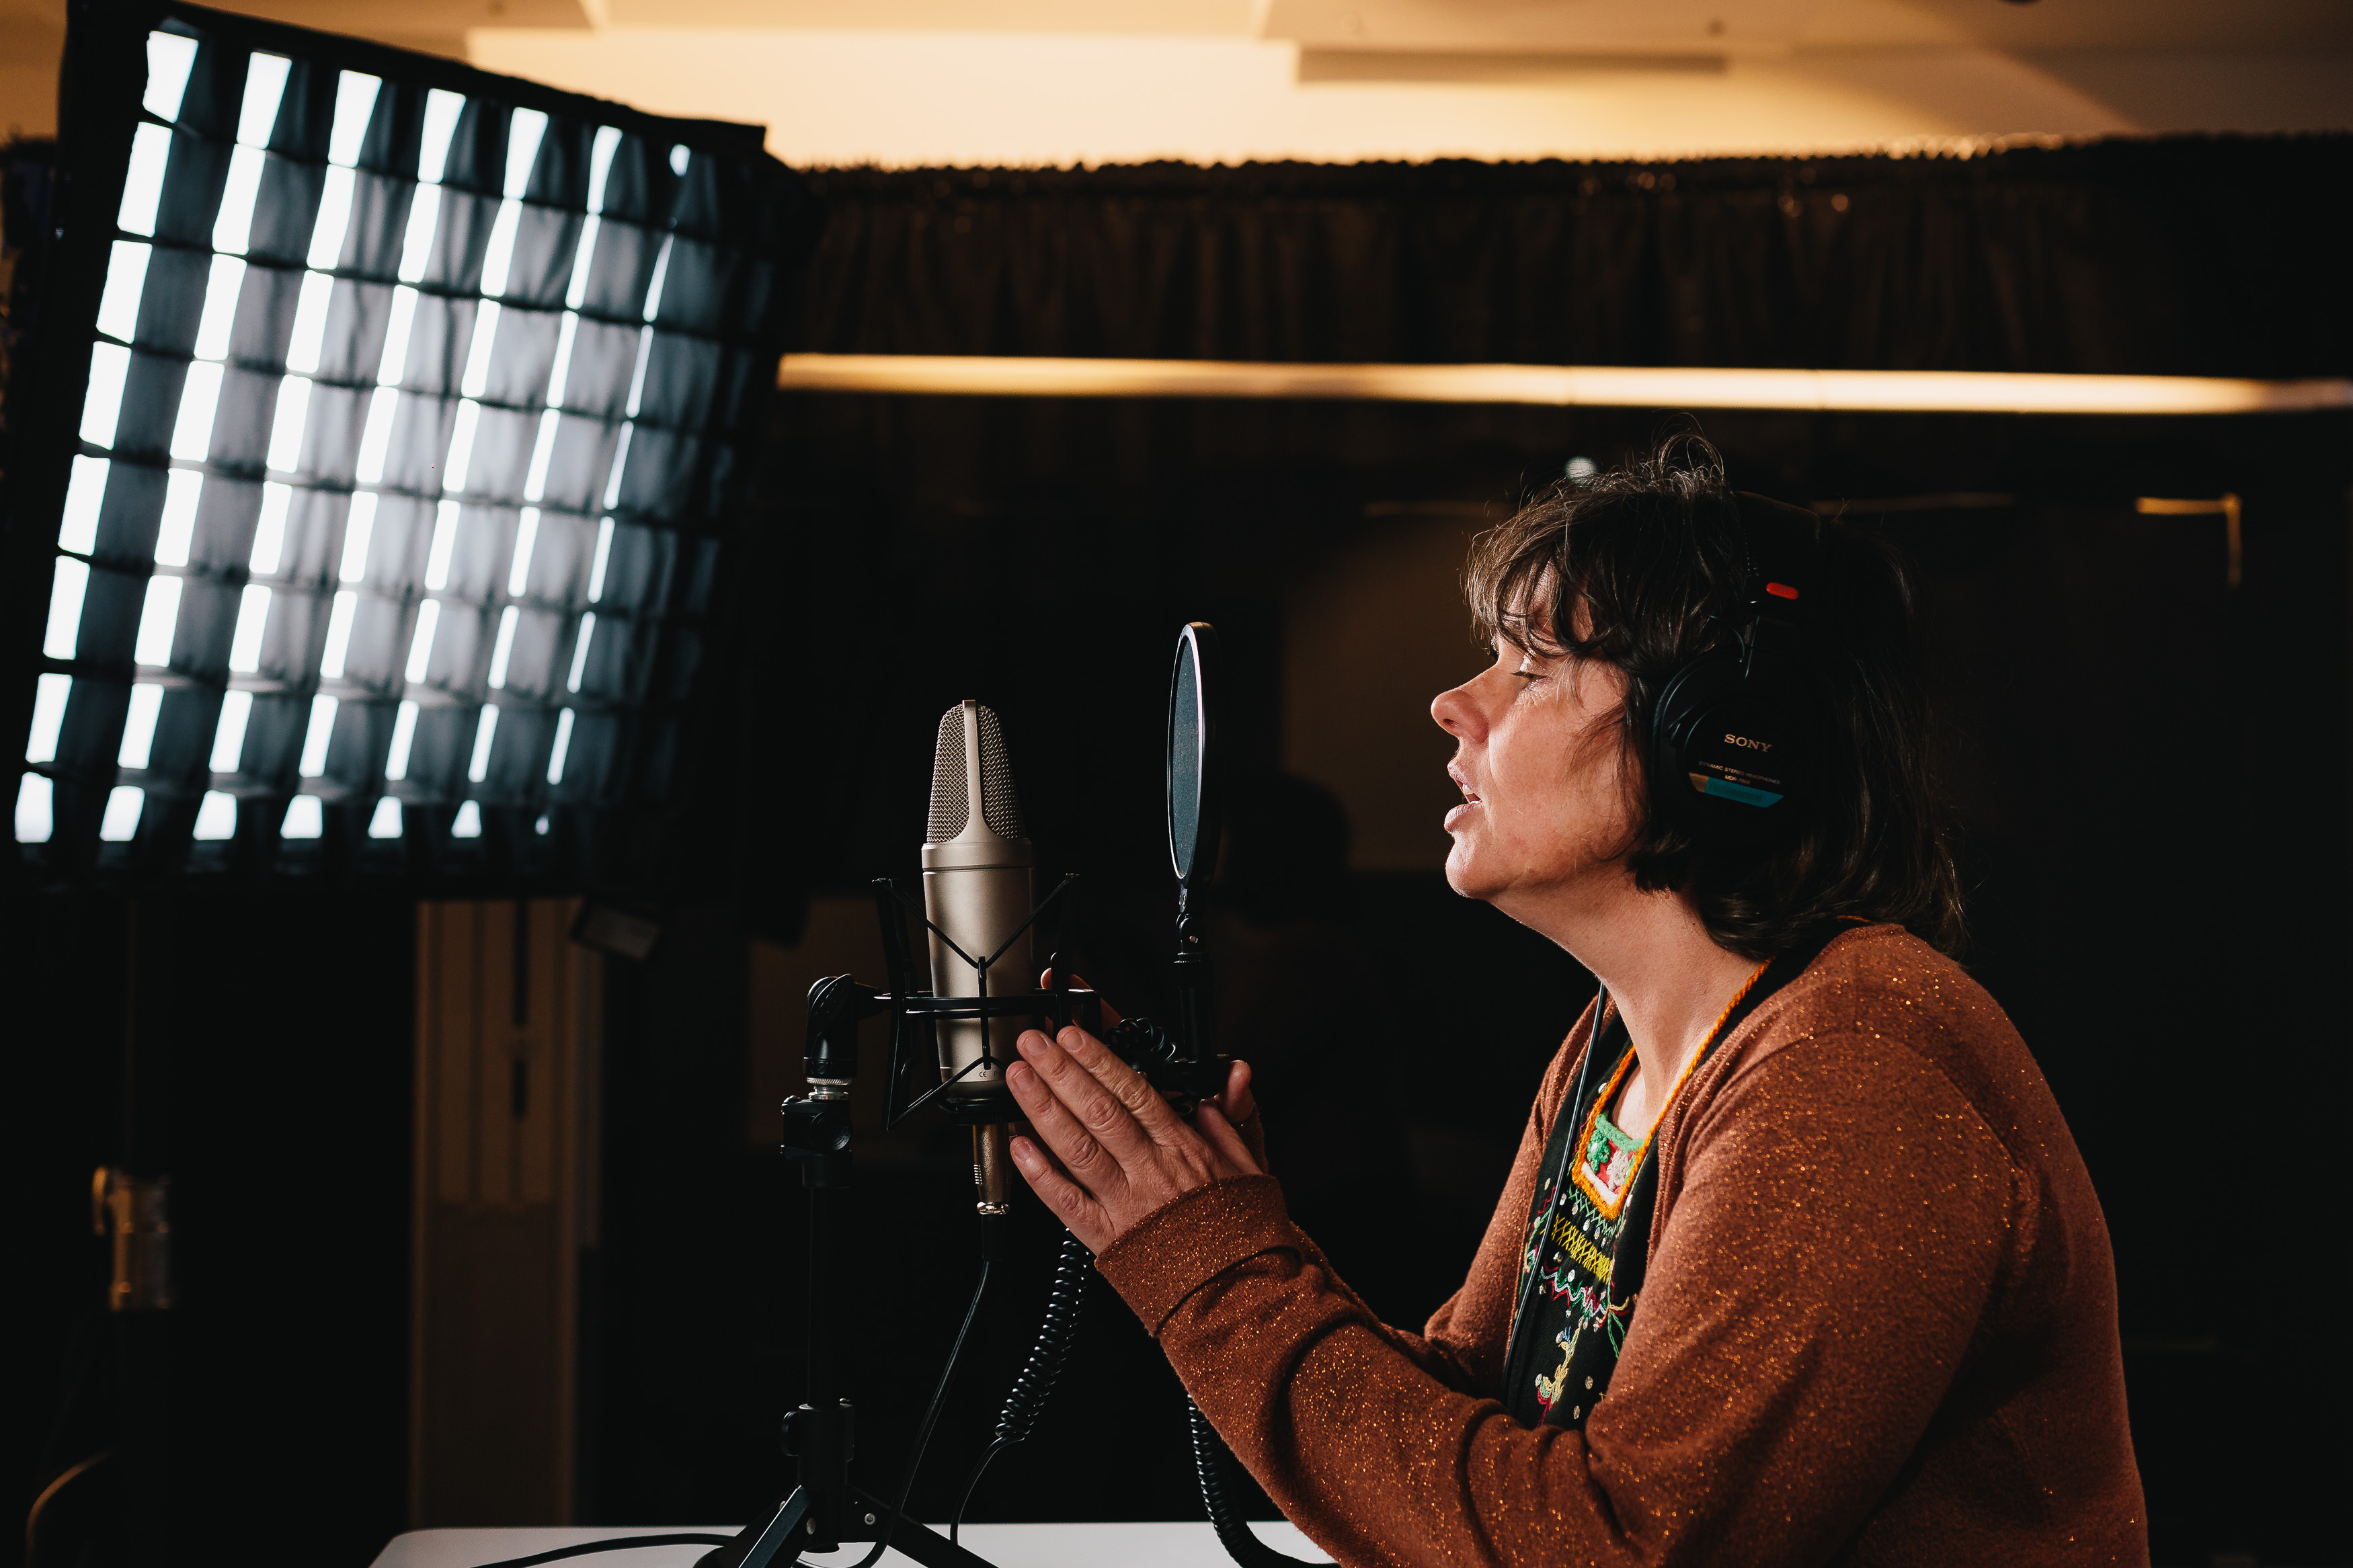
(950, 807)
(1001, 806)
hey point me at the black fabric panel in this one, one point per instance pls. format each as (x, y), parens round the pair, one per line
(379, 647)
(2198, 256)
(266, 302)
(378, 222)
(173, 299)
(521, 356)
(331, 431)
(438, 337)
(193, 179)
(559, 176)
(546, 241)
(295, 630)
(623, 265)
(358, 315)
(286, 209)
(313, 550)
(129, 514)
(207, 623)
(184, 735)
(597, 381)
(226, 512)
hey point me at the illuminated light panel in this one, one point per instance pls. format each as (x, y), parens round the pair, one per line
(385, 821)
(142, 183)
(358, 527)
(462, 448)
(49, 694)
(169, 58)
(526, 539)
(306, 817)
(252, 619)
(157, 618)
(397, 327)
(216, 816)
(467, 822)
(109, 365)
(192, 434)
(375, 438)
(315, 739)
(286, 425)
(420, 646)
(126, 280)
(404, 736)
(504, 647)
(182, 488)
(620, 461)
(485, 729)
(309, 334)
(65, 591)
(580, 651)
(563, 746)
(444, 544)
(270, 530)
(35, 802)
(120, 823)
(597, 566)
(222, 286)
(1594, 386)
(355, 93)
(340, 616)
(534, 488)
(139, 725)
(476, 379)
(78, 525)
(229, 734)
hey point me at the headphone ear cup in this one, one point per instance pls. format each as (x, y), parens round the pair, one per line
(1730, 759)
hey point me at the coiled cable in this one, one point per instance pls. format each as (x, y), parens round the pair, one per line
(1234, 1533)
(1053, 1346)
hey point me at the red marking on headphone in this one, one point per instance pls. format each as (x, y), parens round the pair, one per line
(1781, 590)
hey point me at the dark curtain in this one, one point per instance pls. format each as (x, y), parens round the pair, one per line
(2190, 256)
(2156, 898)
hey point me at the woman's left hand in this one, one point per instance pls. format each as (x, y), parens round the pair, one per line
(1112, 1149)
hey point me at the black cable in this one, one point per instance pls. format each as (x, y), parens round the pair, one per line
(931, 1416)
(618, 1543)
(1027, 1396)
(1234, 1533)
(906, 1483)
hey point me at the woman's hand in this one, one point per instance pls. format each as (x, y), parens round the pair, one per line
(1106, 1149)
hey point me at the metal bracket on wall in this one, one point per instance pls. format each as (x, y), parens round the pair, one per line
(2224, 506)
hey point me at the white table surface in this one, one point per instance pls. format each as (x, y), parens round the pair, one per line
(1183, 1545)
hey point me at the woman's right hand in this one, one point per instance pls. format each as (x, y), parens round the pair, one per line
(1235, 1103)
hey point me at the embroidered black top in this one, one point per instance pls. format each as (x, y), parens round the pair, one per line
(1588, 1232)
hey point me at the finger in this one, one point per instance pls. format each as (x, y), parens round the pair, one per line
(1109, 1117)
(1229, 1145)
(1070, 1203)
(1236, 1100)
(1132, 1088)
(1081, 1153)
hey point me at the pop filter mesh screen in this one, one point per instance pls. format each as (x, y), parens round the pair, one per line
(399, 430)
(1184, 761)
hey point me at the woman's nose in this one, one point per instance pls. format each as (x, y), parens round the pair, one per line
(1455, 713)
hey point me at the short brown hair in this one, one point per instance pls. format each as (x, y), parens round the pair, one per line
(1647, 560)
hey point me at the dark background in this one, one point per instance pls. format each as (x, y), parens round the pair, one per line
(2149, 765)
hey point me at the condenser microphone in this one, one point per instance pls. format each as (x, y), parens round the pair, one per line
(977, 873)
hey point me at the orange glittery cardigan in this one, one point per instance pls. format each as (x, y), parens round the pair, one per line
(1879, 1324)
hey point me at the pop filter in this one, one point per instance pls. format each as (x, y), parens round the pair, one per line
(1193, 761)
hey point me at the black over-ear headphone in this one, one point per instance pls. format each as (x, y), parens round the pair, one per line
(1734, 745)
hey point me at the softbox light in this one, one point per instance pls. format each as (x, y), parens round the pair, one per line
(375, 447)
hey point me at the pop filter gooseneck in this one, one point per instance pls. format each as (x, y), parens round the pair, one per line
(1195, 763)
(1195, 760)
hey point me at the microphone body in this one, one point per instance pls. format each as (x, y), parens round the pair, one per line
(978, 889)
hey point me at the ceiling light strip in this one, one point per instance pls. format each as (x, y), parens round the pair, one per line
(1599, 386)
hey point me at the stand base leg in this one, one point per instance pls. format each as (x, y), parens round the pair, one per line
(774, 1548)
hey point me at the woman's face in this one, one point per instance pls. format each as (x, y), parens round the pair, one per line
(1537, 755)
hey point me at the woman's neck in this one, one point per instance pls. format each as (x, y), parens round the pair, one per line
(1666, 976)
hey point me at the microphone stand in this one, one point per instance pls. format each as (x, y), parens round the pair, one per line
(826, 1509)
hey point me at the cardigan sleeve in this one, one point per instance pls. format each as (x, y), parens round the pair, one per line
(1841, 1225)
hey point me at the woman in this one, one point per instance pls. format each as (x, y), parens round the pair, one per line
(1798, 1262)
